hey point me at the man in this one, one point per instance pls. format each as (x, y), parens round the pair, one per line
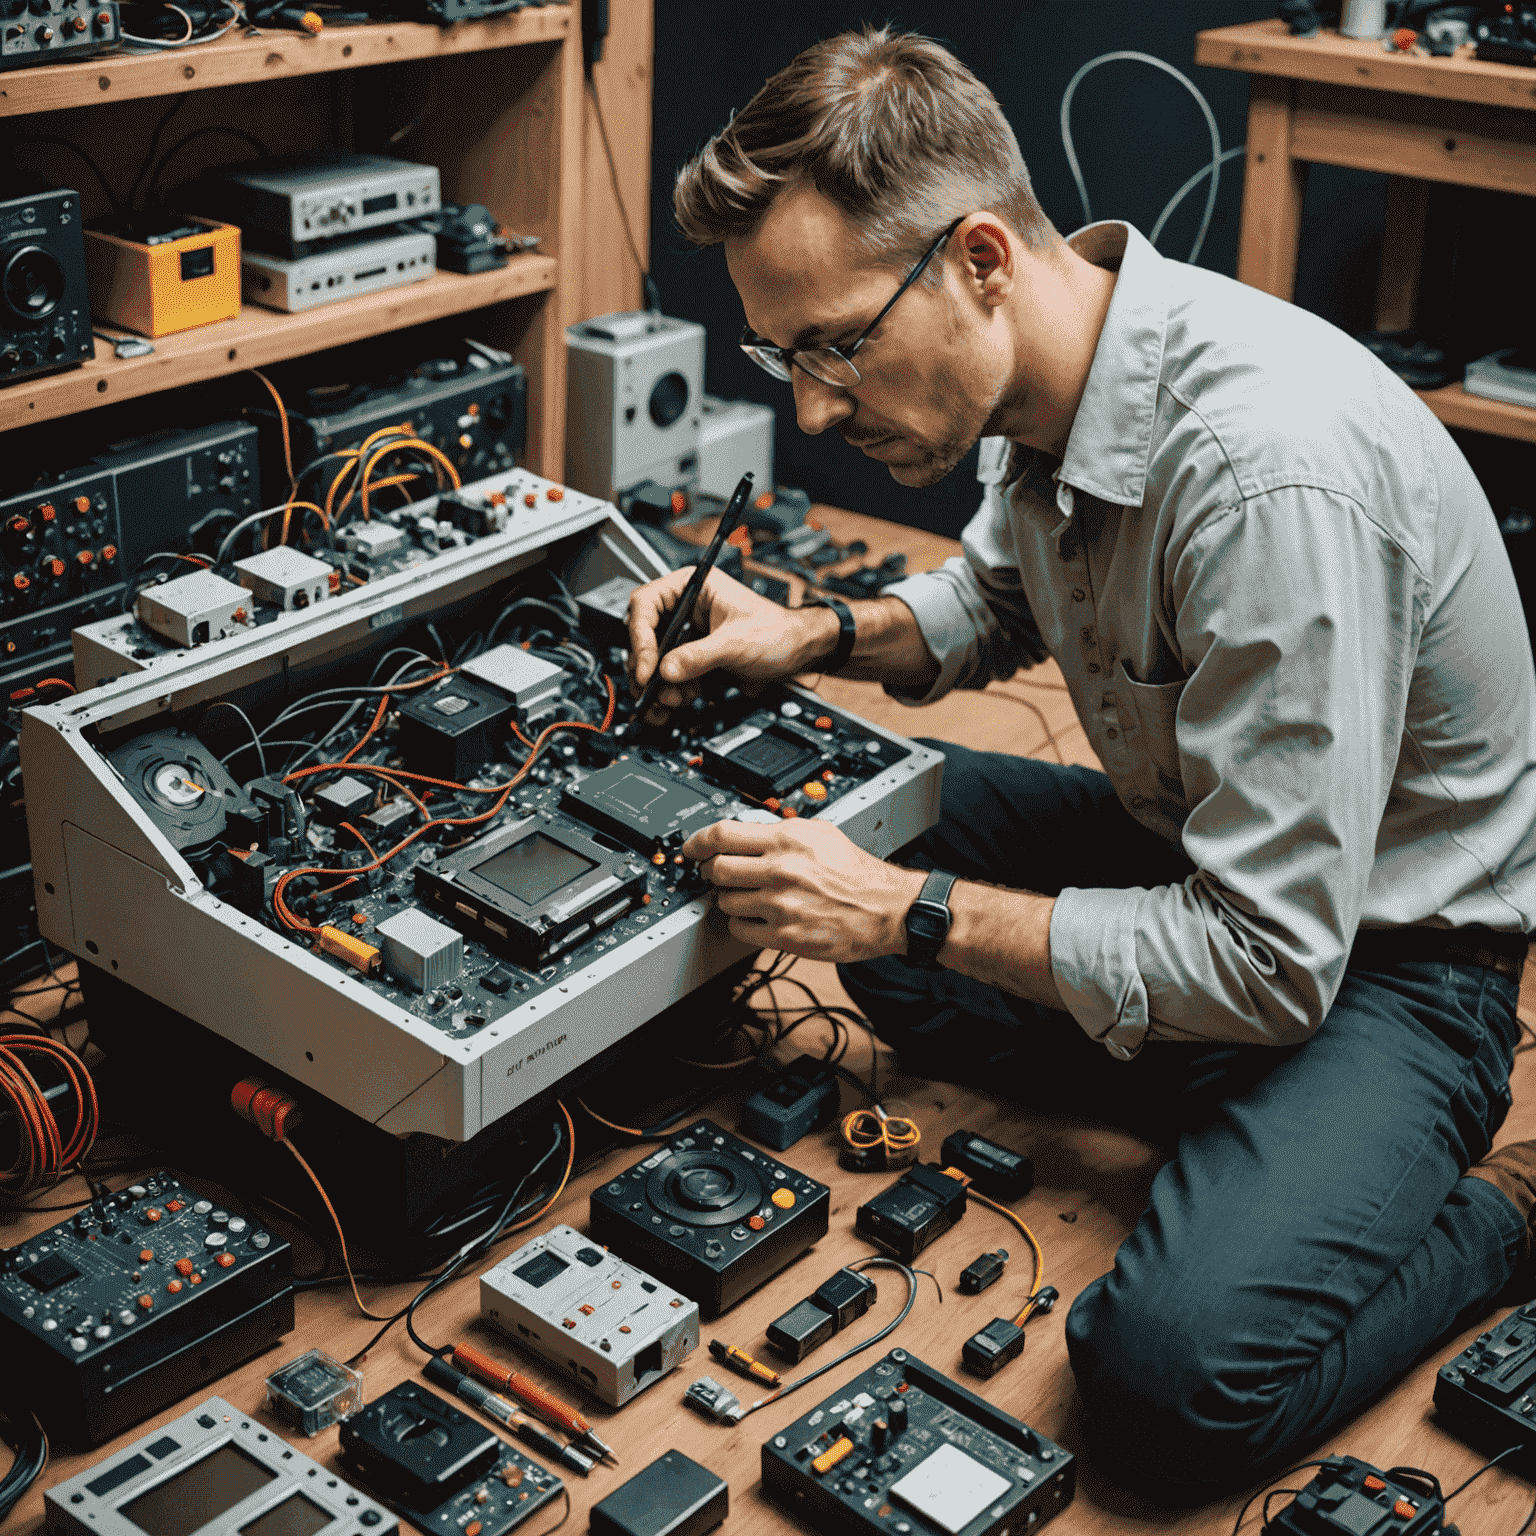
(1284, 929)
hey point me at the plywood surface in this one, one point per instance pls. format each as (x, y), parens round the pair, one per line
(1091, 1185)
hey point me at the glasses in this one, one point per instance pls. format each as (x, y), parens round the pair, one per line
(832, 365)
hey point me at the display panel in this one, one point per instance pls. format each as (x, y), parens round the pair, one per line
(533, 869)
(185, 1503)
(295, 1516)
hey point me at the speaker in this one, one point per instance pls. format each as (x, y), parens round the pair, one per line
(634, 402)
(45, 308)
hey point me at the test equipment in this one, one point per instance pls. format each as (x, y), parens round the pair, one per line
(45, 307)
(169, 275)
(1487, 1393)
(298, 283)
(57, 29)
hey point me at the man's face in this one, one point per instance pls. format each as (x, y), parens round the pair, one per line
(934, 371)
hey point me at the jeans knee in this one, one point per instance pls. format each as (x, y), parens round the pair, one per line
(1169, 1413)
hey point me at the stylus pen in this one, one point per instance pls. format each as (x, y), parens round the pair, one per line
(682, 615)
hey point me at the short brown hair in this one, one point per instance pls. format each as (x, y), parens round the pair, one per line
(889, 126)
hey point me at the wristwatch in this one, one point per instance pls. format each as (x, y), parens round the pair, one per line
(846, 632)
(928, 920)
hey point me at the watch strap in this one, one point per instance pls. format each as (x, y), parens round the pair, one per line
(847, 631)
(926, 935)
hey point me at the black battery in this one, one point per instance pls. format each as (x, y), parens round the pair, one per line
(923, 1204)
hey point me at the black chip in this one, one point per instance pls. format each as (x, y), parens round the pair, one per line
(50, 1273)
(541, 1268)
(591, 1257)
(497, 981)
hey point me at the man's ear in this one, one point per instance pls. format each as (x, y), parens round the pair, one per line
(990, 251)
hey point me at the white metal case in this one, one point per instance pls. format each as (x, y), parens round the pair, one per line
(611, 1326)
(112, 888)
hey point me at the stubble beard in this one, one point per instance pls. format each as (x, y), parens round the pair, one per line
(960, 437)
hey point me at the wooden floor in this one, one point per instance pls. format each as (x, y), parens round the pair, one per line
(1091, 1187)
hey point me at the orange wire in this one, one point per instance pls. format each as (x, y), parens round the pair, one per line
(282, 417)
(570, 1162)
(42, 1155)
(54, 682)
(628, 1130)
(347, 826)
(341, 1236)
(389, 448)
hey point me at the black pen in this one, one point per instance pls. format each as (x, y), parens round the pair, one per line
(682, 615)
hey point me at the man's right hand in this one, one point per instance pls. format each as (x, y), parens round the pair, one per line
(743, 634)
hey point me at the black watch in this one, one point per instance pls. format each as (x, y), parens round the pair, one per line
(847, 632)
(928, 920)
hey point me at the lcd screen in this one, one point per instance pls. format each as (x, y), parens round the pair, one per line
(295, 1516)
(198, 1494)
(533, 869)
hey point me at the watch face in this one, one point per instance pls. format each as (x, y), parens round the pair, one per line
(927, 920)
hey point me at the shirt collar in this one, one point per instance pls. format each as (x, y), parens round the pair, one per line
(1110, 443)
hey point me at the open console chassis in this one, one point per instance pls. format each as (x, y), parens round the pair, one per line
(459, 1023)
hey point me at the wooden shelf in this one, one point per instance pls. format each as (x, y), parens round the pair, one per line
(1456, 408)
(257, 337)
(1267, 48)
(274, 55)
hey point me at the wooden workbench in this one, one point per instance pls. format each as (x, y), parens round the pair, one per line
(1091, 1186)
(1335, 100)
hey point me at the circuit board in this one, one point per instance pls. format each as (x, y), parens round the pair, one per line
(904, 1448)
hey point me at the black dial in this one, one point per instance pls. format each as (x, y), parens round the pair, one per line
(32, 284)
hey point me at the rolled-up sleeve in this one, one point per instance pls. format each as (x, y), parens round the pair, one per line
(1298, 620)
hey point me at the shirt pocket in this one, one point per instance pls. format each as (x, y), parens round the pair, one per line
(1152, 735)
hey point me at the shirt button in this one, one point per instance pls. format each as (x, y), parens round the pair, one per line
(1111, 733)
(1093, 666)
(1078, 594)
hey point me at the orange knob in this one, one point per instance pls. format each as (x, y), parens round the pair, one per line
(46, 512)
(555, 493)
(82, 504)
(85, 557)
(108, 553)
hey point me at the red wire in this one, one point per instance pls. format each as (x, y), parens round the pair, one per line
(43, 1156)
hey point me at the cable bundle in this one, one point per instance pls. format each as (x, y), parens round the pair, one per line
(43, 1155)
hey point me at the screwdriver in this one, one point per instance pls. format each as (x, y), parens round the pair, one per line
(545, 1404)
(498, 1408)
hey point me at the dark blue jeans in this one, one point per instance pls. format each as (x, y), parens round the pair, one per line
(1312, 1235)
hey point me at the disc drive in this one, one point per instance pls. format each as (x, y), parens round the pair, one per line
(610, 1325)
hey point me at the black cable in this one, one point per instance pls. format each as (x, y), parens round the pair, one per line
(652, 293)
(25, 1436)
(106, 186)
(154, 144)
(197, 133)
(1496, 1460)
(1242, 1514)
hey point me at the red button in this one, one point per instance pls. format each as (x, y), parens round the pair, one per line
(183, 1267)
(224, 1260)
(146, 1302)
(145, 1255)
(756, 1223)
(824, 722)
(173, 1286)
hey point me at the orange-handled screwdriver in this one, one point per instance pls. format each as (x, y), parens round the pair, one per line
(545, 1404)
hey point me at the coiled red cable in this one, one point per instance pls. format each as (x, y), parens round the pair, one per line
(43, 1156)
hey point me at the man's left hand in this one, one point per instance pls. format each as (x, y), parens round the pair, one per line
(803, 886)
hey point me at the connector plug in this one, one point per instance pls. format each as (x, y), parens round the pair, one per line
(982, 1272)
(708, 1397)
(987, 1352)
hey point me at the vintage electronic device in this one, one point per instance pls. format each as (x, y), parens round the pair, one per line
(1349, 1497)
(163, 276)
(997, 1172)
(194, 609)
(462, 1029)
(1487, 1394)
(64, 29)
(138, 1298)
(634, 392)
(1508, 375)
(923, 1204)
(45, 307)
(285, 205)
(674, 1496)
(735, 437)
(829, 1309)
(982, 1272)
(902, 1442)
(298, 283)
(440, 1468)
(213, 1472)
(314, 1391)
(473, 405)
(614, 1328)
(710, 1215)
(802, 1098)
(470, 240)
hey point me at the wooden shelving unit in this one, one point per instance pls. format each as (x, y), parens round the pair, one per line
(496, 105)
(1456, 408)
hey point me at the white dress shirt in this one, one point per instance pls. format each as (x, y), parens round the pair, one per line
(1284, 611)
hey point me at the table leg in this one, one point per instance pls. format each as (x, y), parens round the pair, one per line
(1272, 190)
(1402, 252)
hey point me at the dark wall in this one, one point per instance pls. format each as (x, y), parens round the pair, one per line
(1138, 133)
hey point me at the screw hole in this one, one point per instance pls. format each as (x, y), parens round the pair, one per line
(1450, 146)
(232, 353)
(101, 386)
(90, 944)
(309, 1055)
(188, 72)
(114, 965)
(346, 52)
(48, 886)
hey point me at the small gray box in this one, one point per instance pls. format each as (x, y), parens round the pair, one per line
(735, 436)
(286, 578)
(192, 610)
(526, 680)
(371, 541)
(420, 950)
